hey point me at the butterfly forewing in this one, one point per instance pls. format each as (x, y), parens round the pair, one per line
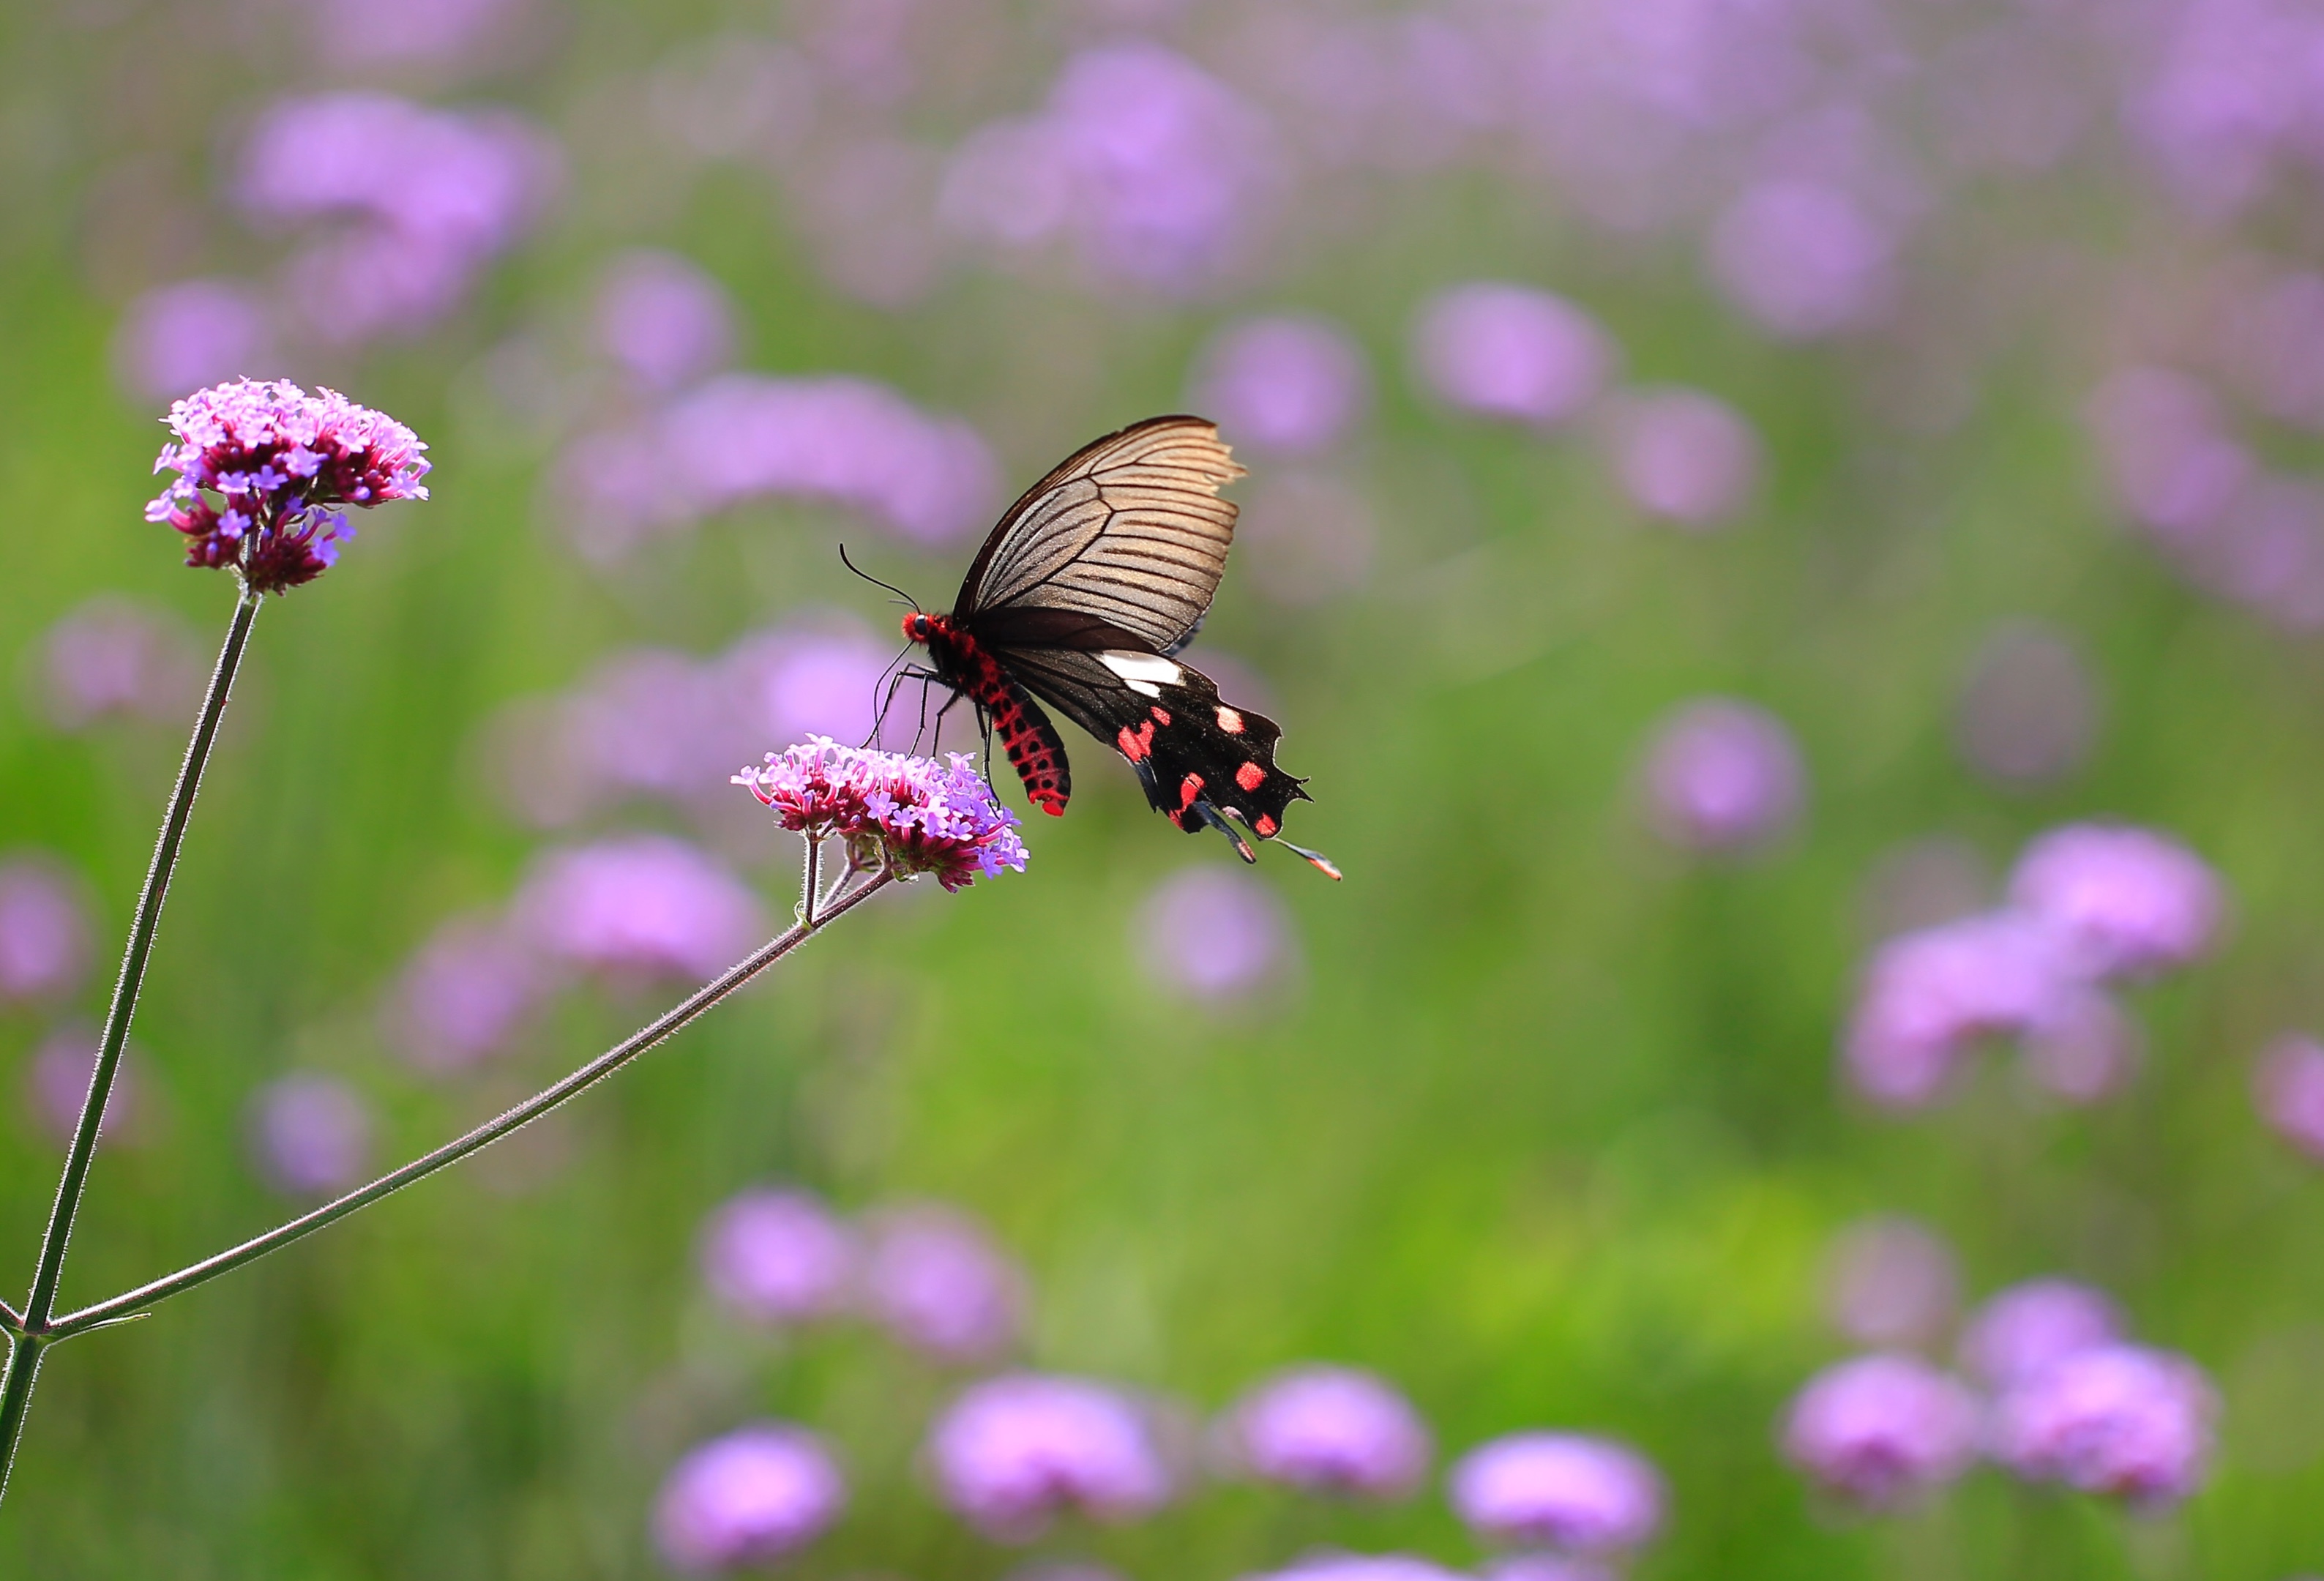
(1129, 530)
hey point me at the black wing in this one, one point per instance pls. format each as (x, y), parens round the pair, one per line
(1192, 751)
(1129, 530)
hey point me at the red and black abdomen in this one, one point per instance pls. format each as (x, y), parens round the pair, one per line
(1034, 749)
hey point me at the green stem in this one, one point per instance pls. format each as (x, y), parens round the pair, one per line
(135, 1301)
(32, 1334)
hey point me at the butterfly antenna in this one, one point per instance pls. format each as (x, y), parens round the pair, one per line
(876, 581)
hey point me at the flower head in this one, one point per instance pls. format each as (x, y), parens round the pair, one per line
(310, 1134)
(1880, 1429)
(910, 814)
(2129, 902)
(756, 1495)
(779, 1257)
(1014, 1450)
(2114, 1418)
(2032, 1326)
(1576, 1494)
(1333, 1429)
(264, 471)
(935, 1280)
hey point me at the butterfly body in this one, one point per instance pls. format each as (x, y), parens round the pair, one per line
(1081, 598)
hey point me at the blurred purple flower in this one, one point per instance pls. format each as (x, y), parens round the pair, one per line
(44, 943)
(1344, 1567)
(1161, 174)
(754, 1496)
(813, 675)
(282, 463)
(1330, 1429)
(1508, 351)
(180, 337)
(663, 320)
(1564, 1491)
(430, 194)
(1927, 995)
(935, 1280)
(1541, 1567)
(1881, 1430)
(462, 995)
(1891, 1282)
(2233, 84)
(1306, 537)
(2167, 452)
(643, 903)
(734, 96)
(1722, 775)
(310, 1134)
(2119, 1419)
(2029, 709)
(2125, 902)
(2274, 347)
(2032, 1326)
(779, 1257)
(357, 33)
(2290, 1092)
(1294, 386)
(56, 1086)
(114, 656)
(1214, 933)
(1684, 456)
(2084, 1050)
(907, 813)
(1803, 259)
(1012, 1452)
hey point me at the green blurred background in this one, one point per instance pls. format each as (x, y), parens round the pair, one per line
(1543, 1124)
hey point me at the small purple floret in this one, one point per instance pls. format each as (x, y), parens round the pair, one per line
(911, 814)
(279, 526)
(754, 1496)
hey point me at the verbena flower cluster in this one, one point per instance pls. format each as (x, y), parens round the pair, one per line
(264, 470)
(907, 813)
(2053, 1391)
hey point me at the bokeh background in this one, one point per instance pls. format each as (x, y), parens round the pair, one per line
(1726, 476)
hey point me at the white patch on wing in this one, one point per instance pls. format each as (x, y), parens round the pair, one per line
(1144, 674)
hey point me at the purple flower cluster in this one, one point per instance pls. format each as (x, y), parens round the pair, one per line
(56, 1086)
(196, 332)
(1567, 1492)
(1287, 385)
(1013, 1452)
(746, 437)
(2065, 1399)
(2089, 905)
(264, 469)
(663, 322)
(1512, 352)
(44, 943)
(1339, 1566)
(1157, 173)
(310, 1136)
(1329, 1430)
(1722, 776)
(113, 657)
(638, 905)
(422, 197)
(1683, 457)
(1216, 933)
(463, 995)
(756, 1495)
(929, 1274)
(2289, 1089)
(908, 814)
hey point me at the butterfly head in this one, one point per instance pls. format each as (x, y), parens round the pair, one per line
(918, 627)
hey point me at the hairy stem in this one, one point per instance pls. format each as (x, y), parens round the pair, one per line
(482, 1136)
(31, 1332)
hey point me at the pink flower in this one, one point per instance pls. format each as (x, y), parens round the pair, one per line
(2119, 1419)
(1684, 456)
(1881, 1428)
(2290, 1092)
(1292, 385)
(1013, 1451)
(1724, 776)
(779, 1257)
(263, 470)
(2128, 902)
(1214, 933)
(44, 944)
(2029, 1327)
(935, 1280)
(910, 813)
(664, 320)
(1511, 351)
(756, 1495)
(1567, 1491)
(640, 903)
(114, 656)
(311, 1134)
(1330, 1429)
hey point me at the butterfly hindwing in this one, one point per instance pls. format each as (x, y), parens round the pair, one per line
(1187, 745)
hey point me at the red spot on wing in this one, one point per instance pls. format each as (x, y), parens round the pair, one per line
(1161, 716)
(1188, 788)
(1136, 744)
(1264, 825)
(1230, 722)
(1250, 776)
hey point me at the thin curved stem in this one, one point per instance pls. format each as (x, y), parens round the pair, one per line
(34, 1332)
(482, 1136)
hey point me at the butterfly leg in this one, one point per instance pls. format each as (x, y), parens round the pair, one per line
(908, 672)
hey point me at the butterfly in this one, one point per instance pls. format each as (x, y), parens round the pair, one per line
(1082, 598)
